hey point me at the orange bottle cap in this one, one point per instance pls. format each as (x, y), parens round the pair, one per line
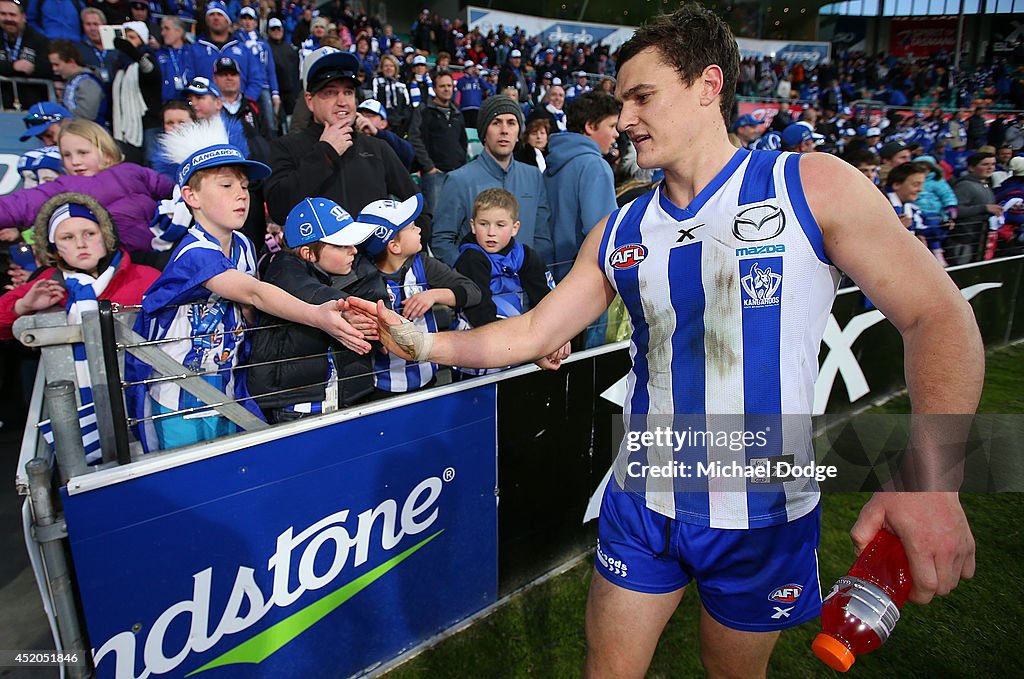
(833, 652)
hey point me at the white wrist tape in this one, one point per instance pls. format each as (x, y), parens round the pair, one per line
(412, 340)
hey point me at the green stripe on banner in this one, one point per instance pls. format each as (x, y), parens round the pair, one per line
(270, 640)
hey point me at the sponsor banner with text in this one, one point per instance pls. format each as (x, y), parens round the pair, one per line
(313, 555)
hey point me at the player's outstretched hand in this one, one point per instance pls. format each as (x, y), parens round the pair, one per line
(934, 533)
(553, 361)
(398, 335)
(367, 326)
(334, 324)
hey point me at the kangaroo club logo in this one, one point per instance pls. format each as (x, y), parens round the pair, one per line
(627, 256)
(760, 286)
(760, 222)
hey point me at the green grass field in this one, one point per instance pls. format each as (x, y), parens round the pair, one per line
(976, 632)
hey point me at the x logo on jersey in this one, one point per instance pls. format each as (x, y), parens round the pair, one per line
(782, 612)
(687, 234)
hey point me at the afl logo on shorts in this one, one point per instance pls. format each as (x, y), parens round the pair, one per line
(760, 222)
(787, 594)
(627, 256)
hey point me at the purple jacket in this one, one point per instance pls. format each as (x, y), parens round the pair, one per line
(130, 193)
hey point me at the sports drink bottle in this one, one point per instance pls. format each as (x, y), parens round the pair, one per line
(858, 615)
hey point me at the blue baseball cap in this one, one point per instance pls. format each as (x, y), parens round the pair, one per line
(40, 116)
(389, 217)
(373, 106)
(216, 156)
(746, 120)
(795, 134)
(325, 64)
(201, 86)
(321, 219)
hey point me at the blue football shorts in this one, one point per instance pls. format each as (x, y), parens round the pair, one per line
(753, 580)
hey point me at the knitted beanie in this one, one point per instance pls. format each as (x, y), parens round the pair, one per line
(493, 107)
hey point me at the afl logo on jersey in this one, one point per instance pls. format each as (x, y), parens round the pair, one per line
(787, 594)
(760, 222)
(627, 256)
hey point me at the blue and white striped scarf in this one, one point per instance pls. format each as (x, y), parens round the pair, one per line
(83, 294)
(416, 93)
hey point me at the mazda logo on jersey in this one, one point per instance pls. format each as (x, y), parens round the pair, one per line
(760, 222)
(627, 256)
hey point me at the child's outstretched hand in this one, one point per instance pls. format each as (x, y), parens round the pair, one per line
(553, 361)
(420, 303)
(331, 321)
(398, 335)
(367, 326)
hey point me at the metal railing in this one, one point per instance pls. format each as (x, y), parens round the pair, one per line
(16, 82)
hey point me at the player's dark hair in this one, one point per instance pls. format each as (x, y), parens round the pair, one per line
(592, 107)
(689, 40)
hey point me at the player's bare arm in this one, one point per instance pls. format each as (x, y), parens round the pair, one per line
(944, 364)
(563, 313)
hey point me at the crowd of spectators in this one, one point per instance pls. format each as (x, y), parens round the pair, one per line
(347, 113)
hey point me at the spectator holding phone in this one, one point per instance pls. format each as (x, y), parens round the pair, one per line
(83, 263)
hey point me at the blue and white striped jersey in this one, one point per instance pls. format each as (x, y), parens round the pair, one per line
(728, 298)
(393, 373)
(209, 329)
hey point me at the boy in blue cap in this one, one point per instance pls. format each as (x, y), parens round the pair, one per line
(43, 122)
(298, 370)
(203, 297)
(415, 283)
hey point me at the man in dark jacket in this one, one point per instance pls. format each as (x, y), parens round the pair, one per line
(254, 120)
(513, 75)
(328, 158)
(977, 130)
(438, 133)
(286, 61)
(24, 55)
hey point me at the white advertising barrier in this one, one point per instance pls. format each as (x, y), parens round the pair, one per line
(551, 31)
(793, 51)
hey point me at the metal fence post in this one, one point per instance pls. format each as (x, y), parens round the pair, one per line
(50, 531)
(67, 433)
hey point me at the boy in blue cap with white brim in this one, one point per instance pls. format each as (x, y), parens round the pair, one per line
(297, 370)
(204, 296)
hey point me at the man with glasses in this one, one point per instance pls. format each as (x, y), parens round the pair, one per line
(23, 52)
(43, 122)
(327, 158)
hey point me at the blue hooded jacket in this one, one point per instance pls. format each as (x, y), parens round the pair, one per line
(937, 195)
(581, 188)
